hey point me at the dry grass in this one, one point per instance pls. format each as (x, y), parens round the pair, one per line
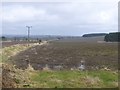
(13, 50)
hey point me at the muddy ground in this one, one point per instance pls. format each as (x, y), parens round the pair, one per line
(67, 55)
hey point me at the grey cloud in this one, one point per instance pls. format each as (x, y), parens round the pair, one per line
(60, 18)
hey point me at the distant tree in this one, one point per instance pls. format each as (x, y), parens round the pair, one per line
(112, 37)
(3, 38)
(94, 35)
(106, 38)
(40, 41)
(58, 38)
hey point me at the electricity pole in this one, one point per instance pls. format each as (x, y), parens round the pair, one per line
(29, 27)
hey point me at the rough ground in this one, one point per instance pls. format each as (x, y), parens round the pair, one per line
(11, 77)
(15, 78)
(30, 78)
(67, 55)
(8, 80)
(32, 67)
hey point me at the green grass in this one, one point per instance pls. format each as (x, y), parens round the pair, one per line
(74, 79)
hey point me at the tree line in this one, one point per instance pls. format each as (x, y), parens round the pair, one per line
(112, 37)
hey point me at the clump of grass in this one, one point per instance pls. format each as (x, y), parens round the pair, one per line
(30, 68)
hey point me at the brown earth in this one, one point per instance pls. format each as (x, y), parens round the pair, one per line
(14, 78)
(69, 55)
(8, 81)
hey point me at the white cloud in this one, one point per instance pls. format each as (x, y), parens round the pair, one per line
(23, 13)
(106, 17)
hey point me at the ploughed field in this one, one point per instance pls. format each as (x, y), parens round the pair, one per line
(68, 55)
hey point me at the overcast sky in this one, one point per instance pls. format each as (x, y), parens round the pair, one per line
(59, 18)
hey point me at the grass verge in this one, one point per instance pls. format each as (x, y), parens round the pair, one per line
(74, 79)
(7, 52)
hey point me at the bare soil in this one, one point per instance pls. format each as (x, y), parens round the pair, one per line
(7, 80)
(69, 55)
